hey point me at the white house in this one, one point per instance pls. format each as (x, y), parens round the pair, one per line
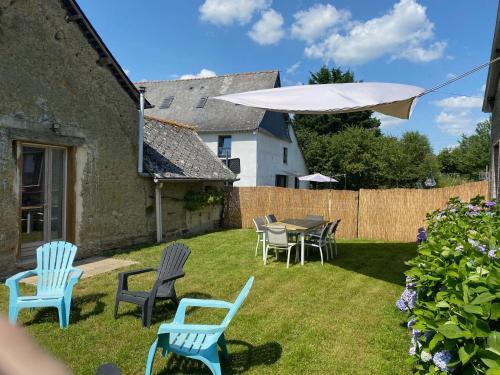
(263, 141)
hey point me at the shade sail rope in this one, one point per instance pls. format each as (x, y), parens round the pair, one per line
(459, 77)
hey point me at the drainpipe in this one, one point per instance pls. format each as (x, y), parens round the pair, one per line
(140, 140)
(159, 216)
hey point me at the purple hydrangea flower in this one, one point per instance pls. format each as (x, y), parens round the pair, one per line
(492, 254)
(472, 242)
(459, 248)
(421, 235)
(411, 323)
(401, 305)
(481, 248)
(441, 360)
(408, 300)
(473, 210)
(490, 204)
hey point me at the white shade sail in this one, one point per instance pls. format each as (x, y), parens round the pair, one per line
(317, 177)
(391, 99)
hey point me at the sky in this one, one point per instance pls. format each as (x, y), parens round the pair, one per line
(417, 42)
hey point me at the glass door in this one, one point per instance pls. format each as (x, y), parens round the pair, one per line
(43, 192)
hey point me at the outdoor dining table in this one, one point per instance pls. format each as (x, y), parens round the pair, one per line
(298, 226)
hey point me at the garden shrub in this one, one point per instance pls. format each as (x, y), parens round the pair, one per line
(196, 200)
(452, 294)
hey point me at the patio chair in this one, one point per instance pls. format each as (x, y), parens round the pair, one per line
(320, 242)
(197, 341)
(331, 237)
(171, 268)
(259, 223)
(277, 239)
(56, 278)
(271, 218)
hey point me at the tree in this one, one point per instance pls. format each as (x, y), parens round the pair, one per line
(472, 154)
(331, 124)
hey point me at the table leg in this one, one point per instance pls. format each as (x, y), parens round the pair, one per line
(302, 248)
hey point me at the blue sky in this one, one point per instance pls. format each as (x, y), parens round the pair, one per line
(419, 42)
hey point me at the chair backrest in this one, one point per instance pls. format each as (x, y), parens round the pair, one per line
(335, 226)
(54, 263)
(314, 217)
(277, 236)
(259, 223)
(238, 302)
(172, 261)
(271, 218)
(325, 231)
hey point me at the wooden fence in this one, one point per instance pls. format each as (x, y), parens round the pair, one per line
(388, 215)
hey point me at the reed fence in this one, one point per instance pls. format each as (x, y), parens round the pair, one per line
(386, 214)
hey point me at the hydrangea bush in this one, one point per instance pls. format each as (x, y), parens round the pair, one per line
(452, 294)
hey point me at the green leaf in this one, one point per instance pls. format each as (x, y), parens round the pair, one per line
(494, 341)
(495, 311)
(493, 371)
(451, 331)
(491, 363)
(466, 353)
(442, 304)
(473, 309)
(483, 298)
(438, 337)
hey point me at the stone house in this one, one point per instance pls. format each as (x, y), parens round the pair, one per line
(263, 141)
(491, 104)
(70, 126)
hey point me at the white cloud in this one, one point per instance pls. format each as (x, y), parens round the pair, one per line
(460, 102)
(483, 88)
(404, 32)
(292, 69)
(269, 29)
(226, 12)
(313, 23)
(456, 123)
(204, 73)
(388, 122)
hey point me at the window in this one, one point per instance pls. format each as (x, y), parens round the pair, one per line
(297, 183)
(166, 102)
(285, 155)
(224, 146)
(202, 102)
(281, 180)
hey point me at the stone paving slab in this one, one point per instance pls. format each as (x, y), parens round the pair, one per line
(92, 266)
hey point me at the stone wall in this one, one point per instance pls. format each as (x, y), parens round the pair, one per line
(50, 76)
(177, 221)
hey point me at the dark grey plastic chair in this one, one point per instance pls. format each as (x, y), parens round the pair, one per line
(171, 268)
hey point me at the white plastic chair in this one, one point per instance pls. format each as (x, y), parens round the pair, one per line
(277, 239)
(259, 223)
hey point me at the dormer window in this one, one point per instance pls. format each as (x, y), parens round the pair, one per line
(202, 102)
(166, 102)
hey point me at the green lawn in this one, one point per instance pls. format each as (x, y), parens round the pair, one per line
(339, 318)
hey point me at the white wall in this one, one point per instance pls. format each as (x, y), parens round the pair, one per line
(270, 160)
(243, 146)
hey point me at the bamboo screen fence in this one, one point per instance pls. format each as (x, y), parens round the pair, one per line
(388, 215)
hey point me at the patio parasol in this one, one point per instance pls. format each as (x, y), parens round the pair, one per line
(318, 177)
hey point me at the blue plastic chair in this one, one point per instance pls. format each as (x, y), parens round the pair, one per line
(197, 341)
(56, 278)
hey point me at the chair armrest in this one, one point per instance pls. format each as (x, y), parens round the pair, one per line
(175, 276)
(192, 302)
(13, 280)
(123, 277)
(188, 328)
(75, 275)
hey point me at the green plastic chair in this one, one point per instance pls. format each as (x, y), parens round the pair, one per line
(56, 278)
(193, 340)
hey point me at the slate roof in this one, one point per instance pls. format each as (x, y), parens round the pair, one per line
(216, 116)
(174, 151)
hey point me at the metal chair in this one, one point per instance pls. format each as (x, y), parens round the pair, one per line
(259, 223)
(277, 239)
(271, 218)
(320, 242)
